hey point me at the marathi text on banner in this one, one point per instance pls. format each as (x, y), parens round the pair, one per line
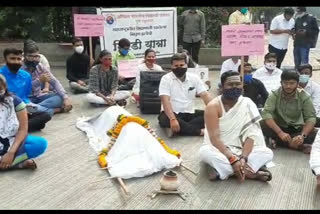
(242, 40)
(145, 28)
(88, 25)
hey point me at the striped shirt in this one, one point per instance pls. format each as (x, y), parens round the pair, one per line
(103, 82)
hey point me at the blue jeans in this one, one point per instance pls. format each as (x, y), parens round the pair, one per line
(301, 55)
(47, 103)
(32, 147)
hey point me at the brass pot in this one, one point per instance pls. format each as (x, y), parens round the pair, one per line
(169, 181)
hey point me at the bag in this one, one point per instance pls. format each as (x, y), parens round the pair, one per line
(150, 102)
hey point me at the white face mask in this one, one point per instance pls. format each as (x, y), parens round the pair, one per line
(79, 49)
(270, 66)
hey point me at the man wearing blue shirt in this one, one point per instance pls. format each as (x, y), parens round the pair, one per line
(19, 83)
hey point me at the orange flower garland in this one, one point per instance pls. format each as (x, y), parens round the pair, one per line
(115, 131)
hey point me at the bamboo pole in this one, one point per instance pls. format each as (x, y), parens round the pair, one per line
(190, 170)
(242, 69)
(124, 187)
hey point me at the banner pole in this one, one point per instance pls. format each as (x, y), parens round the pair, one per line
(242, 69)
(90, 47)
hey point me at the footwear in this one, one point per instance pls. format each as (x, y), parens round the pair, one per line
(212, 172)
(122, 102)
(265, 169)
(169, 132)
(306, 148)
(27, 164)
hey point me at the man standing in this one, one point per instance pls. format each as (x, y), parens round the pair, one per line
(178, 91)
(193, 27)
(280, 30)
(269, 74)
(19, 83)
(78, 66)
(233, 141)
(305, 36)
(231, 64)
(311, 87)
(289, 116)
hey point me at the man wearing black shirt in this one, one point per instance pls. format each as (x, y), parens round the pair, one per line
(253, 88)
(78, 65)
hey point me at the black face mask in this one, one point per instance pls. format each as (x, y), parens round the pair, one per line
(179, 72)
(13, 67)
(31, 64)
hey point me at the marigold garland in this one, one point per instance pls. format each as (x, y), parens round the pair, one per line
(115, 131)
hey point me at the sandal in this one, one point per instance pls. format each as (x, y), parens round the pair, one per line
(265, 169)
(25, 165)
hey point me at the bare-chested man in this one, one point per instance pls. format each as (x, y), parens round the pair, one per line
(233, 140)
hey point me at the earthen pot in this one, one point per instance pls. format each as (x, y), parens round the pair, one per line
(169, 181)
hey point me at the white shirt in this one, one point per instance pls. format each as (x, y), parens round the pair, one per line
(270, 80)
(228, 65)
(143, 67)
(182, 94)
(280, 41)
(313, 89)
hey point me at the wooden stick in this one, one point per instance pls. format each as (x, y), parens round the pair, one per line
(90, 48)
(124, 187)
(242, 69)
(190, 170)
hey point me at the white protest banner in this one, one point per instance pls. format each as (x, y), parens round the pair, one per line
(128, 68)
(201, 72)
(145, 28)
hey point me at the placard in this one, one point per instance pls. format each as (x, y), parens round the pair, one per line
(88, 25)
(242, 40)
(201, 72)
(128, 68)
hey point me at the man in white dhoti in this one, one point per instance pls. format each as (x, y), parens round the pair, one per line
(315, 158)
(233, 140)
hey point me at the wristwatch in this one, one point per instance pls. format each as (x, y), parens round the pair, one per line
(304, 136)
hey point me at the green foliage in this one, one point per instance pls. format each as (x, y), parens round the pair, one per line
(42, 24)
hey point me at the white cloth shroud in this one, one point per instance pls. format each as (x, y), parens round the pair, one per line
(136, 153)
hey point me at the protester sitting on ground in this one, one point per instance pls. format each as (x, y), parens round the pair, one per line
(177, 91)
(289, 116)
(192, 64)
(311, 87)
(252, 87)
(103, 82)
(43, 60)
(78, 67)
(269, 74)
(54, 101)
(315, 159)
(231, 64)
(17, 148)
(123, 53)
(233, 140)
(19, 83)
(149, 64)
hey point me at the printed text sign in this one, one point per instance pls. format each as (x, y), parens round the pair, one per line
(128, 68)
(88, 25)
(242, 40)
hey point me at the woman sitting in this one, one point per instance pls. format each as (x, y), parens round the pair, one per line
(16, 146)
(147, 65)
(103, 82)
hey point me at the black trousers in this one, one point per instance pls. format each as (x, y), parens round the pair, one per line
(86, 45)
(37, 121)
(193, 49)
(190, 124)
(280, 54)
(126, 84)
(268, 132)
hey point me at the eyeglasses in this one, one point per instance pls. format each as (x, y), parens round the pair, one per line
(29, 56)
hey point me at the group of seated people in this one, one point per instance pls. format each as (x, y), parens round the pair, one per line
(277, 107)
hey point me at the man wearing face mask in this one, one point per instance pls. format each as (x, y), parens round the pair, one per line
(253, 88)
(54, 101)
(233, 141)
(177, 91)
(78, 66)
(311, 87)
(241, 16)
(19, 82)
(305, 36)
(289, 116)
(123, 53)
(192, 26)
(269, 74)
